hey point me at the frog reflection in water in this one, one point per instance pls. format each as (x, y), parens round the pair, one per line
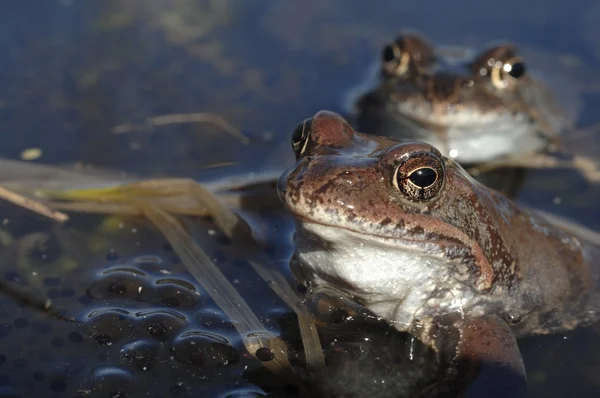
(486, 111)
(417, 241)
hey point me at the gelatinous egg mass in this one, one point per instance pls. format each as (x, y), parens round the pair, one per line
(118, 327)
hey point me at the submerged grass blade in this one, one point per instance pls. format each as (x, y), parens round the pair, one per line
(179, 196)
(315, 359)
(183, 118)
(32, 205)
(254, 333)
(158, 199)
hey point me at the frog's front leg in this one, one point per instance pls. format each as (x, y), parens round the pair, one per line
(484, 359)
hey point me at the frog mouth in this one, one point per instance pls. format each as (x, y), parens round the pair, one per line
(425, 118)
(460, 249)
(421, 122)
(306, 220)
(413, 244)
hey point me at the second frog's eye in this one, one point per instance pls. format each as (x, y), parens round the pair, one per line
(420, 177)
(395, 60)
(410, 52)
(300, 137)
(505, 73)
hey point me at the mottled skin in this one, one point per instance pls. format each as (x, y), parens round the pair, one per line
(447, 254)
(471, 106)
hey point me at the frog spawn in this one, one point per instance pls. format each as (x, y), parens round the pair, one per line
(137, 327)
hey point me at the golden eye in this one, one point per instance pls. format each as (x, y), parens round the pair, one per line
(503, 74)
(395, 60)
(419, 178)
(300, 137)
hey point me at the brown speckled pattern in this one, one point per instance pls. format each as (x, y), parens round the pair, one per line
(454, 99)
(450, 88)
(530, 268)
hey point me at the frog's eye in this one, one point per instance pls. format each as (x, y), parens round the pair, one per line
(300, 137)
(395, 60)
(409, 53)
(423, 177)
(504, 74)
(419, 178)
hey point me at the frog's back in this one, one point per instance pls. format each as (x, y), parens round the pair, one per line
(561, 280)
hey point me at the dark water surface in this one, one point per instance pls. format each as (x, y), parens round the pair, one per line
(71, 71)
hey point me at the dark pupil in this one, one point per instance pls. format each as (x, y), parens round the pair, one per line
(517, 70)
(423, 177)
(388, 54)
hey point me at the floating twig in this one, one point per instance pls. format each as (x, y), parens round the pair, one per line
(182, 118)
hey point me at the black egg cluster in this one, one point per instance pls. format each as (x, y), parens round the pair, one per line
(142, 329)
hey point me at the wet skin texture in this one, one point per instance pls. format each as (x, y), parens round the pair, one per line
(417, 241)
(474, 107)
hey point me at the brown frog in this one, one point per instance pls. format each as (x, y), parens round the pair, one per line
(484, 109)
(417, 241)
